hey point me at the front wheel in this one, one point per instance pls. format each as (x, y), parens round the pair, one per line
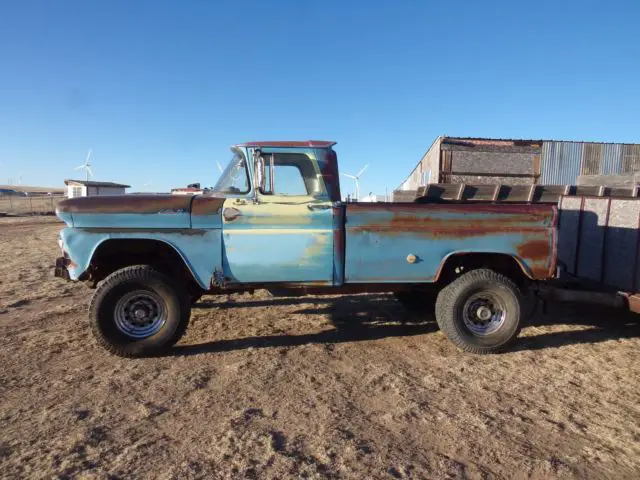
(480, 311)
(138, 311)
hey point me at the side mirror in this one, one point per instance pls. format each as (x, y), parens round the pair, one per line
(259, 172)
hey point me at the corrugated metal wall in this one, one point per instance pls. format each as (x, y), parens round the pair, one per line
(559, 162)
(564, 162)
(631, 158)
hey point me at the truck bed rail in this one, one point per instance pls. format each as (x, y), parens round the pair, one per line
(502, 193)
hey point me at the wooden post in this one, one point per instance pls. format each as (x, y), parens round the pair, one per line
(496, 192)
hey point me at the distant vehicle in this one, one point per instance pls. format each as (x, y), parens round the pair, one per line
(275, 220)
(10, 192)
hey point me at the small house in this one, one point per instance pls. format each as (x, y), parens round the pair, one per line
(90, 188)
(192, 189)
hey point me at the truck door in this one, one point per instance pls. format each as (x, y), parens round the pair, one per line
(288, 235)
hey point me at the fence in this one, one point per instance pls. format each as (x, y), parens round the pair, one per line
(29, 205)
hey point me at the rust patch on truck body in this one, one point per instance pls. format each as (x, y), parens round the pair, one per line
(207, 205)
(143, 204)
(381, 237)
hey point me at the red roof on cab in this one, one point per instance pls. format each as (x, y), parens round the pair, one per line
(290, 143)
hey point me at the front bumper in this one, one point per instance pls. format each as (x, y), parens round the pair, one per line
(61, 269)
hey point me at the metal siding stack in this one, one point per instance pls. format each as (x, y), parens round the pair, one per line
(598, 240)
(592, 227)
(623, 241)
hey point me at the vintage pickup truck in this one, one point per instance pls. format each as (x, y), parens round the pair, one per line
(275, 220)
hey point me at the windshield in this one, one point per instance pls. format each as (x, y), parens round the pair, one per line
(235, 178)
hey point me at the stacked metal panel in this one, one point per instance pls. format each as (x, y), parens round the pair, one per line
(599, 240)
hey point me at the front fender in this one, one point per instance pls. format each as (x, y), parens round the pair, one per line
(200, 250)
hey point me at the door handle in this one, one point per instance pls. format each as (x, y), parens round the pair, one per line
(230, 214)
(313, 207)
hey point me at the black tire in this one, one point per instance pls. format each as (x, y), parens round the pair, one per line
(172, 299)
(483, 288)
(417, 301)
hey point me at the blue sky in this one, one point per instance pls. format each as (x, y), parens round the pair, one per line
(160, 89)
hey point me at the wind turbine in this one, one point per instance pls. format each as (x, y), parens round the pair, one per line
(86, 166)
(357, 179)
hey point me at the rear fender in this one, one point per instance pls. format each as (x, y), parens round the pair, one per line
(449, 261)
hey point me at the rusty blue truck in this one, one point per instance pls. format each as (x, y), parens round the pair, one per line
(275, 220)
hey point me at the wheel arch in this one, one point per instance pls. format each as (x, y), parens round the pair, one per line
(507, 264)
(133, 251)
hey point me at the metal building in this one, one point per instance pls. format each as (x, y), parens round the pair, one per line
(523, 162)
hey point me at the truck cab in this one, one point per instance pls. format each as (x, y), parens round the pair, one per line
(280, 216)
(275, 220)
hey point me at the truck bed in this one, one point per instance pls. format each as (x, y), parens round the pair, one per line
(409, 242)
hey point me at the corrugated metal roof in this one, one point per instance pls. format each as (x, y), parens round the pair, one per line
(524, 140)
(491, 141)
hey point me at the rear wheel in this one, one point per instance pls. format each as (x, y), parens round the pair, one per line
(480, 311)
(138, 311)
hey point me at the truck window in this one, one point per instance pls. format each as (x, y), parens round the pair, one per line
(235, 178)
(287, 180)
(292, 174)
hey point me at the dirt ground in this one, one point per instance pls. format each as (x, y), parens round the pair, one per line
(312, 387)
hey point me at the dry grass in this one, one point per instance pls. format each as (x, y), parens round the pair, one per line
(316, 387)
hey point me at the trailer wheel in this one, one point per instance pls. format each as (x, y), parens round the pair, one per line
(138, 311)
(480, 311)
